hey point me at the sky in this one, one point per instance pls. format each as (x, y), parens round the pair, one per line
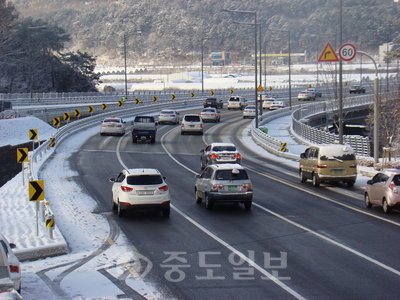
(85, 233)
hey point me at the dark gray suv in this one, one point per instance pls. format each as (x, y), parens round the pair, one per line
(224, 183)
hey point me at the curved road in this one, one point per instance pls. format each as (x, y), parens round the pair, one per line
(297, 241)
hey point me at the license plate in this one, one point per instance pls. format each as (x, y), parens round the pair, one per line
(142, 193)
(232, 188)
(338, 171)
(191, 126)
(143, 137)
(110, 125)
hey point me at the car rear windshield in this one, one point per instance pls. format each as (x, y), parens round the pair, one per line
(144, 179)
(343, 157)
(234, 99)
(111, 121)
(224, 148)
(396, 180)
(144, 119)
(192, 118)
(228, 175)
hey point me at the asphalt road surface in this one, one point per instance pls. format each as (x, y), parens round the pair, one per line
(297, 241)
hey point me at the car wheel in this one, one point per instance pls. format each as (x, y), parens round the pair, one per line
(302, 179)
(182, 133)
(113, 205)
(201, 164)
(201, 133)
(386, 207)
(133, 141)
(350, 183)
(120, 211)
(199, 200)
(153, 141)
(315, 180)
(247, 205)
(367, 202)
(166, 212)
(209, 202)
(101, 134)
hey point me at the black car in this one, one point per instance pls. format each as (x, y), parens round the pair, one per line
(213, 102)
(357, 89)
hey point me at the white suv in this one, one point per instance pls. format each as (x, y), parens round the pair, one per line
(140, 188)
(192, 123)
(217, 153)
(236, 102)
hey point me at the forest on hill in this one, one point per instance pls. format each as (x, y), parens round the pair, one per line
(172, 31)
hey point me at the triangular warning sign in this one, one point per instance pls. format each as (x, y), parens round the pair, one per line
(260, 88)
(328, 54)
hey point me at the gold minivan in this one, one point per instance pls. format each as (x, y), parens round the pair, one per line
(328, 162)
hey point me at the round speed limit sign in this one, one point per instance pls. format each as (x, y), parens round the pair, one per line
(347, 52)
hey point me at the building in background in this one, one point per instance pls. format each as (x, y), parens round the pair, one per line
(220, 58)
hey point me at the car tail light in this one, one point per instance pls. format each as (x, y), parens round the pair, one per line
(213, 114)
(163, 188)
(322, 166)
(238, 156)
(126, 189)
(214, 156)
(102, 125)
(353, 166)
(247, 186)
(201, 125)
(215, 187)
(393, 187)
(119, 125)
(183, 125)
(14, 269)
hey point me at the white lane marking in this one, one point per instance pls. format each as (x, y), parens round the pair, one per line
(118, 152)
(324, 197)
(170, 155)
(374, 261)
(240, 254)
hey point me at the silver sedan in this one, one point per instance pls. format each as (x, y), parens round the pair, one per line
(168, 116)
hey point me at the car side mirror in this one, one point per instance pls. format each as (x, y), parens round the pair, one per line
(370, 182)
(165, 178)
(202, 150)
(132, 123)
(197, 176)
(302, 155)
(111, 179)
(12, 245)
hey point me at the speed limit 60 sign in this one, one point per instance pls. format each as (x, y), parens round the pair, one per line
(347, 52)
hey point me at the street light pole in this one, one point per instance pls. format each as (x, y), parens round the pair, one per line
(376, 109)
(255, 53)
(289, 64)
(202, 66)
(126, 78)
(340, 81)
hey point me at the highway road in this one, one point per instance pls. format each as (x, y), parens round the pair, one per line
(297, 241)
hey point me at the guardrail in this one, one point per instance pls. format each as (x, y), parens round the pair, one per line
(44, 151)
(307, 134)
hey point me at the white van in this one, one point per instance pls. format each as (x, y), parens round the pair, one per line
(236, 102)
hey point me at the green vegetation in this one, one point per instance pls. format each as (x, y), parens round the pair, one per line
(31, 57)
